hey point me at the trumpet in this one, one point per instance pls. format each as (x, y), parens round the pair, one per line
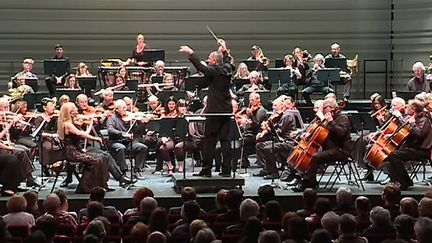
(265, 61)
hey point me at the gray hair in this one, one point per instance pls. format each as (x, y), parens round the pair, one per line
(330, 222)
(418, 66)
(147, 205)
(380, 216)
(423, 229)
(204, 236)
(248, 208)
(343, 196)
(269, 236)
(217, 57)
(319, 57)
(118, 103)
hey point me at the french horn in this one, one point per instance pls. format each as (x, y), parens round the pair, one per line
(353, 64)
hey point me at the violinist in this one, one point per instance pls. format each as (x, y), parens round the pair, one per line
(154, 106)
(290, 88)
(124, 140)
(273, 139)
(62, 100)
(336, 147)
(107, 100)
(7, 147)
(130, 107)
(417, 144)
(255, 115)
(20, 132)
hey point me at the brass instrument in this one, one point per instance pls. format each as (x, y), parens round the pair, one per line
(306, 56)
(111, 62)
(353, 64)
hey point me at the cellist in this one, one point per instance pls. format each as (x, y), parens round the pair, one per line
(336, 147)
(417, 146)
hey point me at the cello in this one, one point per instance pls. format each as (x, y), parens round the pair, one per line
(301, 155)
(390, 137)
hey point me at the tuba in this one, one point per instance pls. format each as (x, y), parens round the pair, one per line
(353, 64)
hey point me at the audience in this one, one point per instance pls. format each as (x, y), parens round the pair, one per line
(48, 225)
(139, 195)
(272, 211)
(195, 226)
(391, 194)
(205, 235)
(97, 194)
(189, 212)
(344, 201)
(156, 237)
(409, 206)
(423, 229)
(32, 203)
(248, 208)
(139, 233)
(159, 221)
(425, 207)
(362, 208)
(405, 227)
(330, 222)
(16, 206)
(320, 236)
(309, 199)
(347, 229)
(296, 230)
(266, 193)
(147, 205)
(251, 230)
(234, 198)
(269, 236)
(381, 224)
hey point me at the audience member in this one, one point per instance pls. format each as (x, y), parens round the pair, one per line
(95, 227)
(139, 233)
(234, 198)
(309, 198)
(32, 203)
(269, 236)
(64, 205)
(220, 203)
(409, 206)
(423, 229)
(391, 196)
(156, 237)
(405, 227)
(187, 194)
(347, 229)
(159, 221)
(94, 210)
(37, 236)
(344, 201)
(4, 233)
(266, 193)
(190, 211)
(362, 207)
(248, 208)
(16, 215)
(139, 195)
(195, 226)
(251, 230)
(205, 235)
(320, 236)
(272, 211)
(425, 207)
(296, 229)
(321, 206)
(330, 222)
(381, 224)
(110, 212)
(147, 205)
(48, 225)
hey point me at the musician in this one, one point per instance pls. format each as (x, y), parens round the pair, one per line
(95, 172)
(62, 100)
(242, 72)
(137, 56)
(159, 68)
(417, 145)
(21, 88)
(108, 100)
(20, 131)
(120, 81)
(155, 106)
(83, 70)
(168, 80)
(273, 139)
(256, 54)
(254, 85)
(7, 147)
(72, 82)
(53, 80)
(250, 126)
(290, 88)
(335, 53)
(336, 147)
(301, 63)
(418, 82)
(122, 140)
(218, 74)
(315, 85)
(27, 69)
(130, 105)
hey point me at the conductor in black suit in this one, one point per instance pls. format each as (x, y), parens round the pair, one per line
(218, 75)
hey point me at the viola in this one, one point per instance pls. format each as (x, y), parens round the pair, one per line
(392, 134)
(301, 155)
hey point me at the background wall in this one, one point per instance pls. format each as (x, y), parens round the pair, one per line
(97, 29)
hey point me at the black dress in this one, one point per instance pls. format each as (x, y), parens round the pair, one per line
(95, 173)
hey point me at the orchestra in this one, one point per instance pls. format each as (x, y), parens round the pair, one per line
(122, 131)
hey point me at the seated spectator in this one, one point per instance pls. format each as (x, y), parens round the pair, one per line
(110, 212)
(266, 193)
(344, 201)
(220, 203)
(309, 199)
(320, 236)
(330, 222)
(321, 206)
(16, 215)
(91, 238)
(159, 221)
(269, 236)
(147, 205)
(405, 227)
(296, 230)
(188, 193)
(48, 225)
(37, 236)
(409, 206)
(248, 208)
(32, 203)
(272, 211)
(347, 229)
(156, 237)
(381, 223)
(362, 207)
(251, 230)
(391, 194)
(94, 210)
(205, 235)
(139, 195)
(139, 233)
(190, 211)
(234, 198)
(425, 207)
(195, 226)
(52, 205)
(423, 229)
(97, 228)
(4, 233)
(64, 204)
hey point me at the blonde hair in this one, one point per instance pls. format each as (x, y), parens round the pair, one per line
(68, 84)
(239, 67)
(64, 116)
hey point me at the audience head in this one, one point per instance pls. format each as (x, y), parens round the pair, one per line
(347, 224)
(37, 237)
(190, 211)
(287, 216)
(409, 205)
(147, 205)
(196, 226)
(158, 220)
(380, 216)
(248, 208)
(330, 222)
(48, 225)
(269, 236)
(94, 209)
(139, 232)
(425, 207)
(297, 228)
(418, 69)
(320, 236)
(97, 194)
(322, 206)
(344, 197)
(16, 203)
(32, 199)
(362, 205)
(391, 194)
(188, 193)
(404, 226)
(423, 229)
(95, 227)
(4, 233)
(220, 200)
(251, 229)
(273, 211)
(156, 237)
(205, 235)
(140, 194)
(234, 198)
(63, 199)
(91, 238)
(52, 203)
(309, 198)
(266, 193)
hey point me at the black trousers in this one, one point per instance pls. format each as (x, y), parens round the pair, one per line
(306, 92)
(321, 158)
(395, 163)
(267, 153)
(217, 128)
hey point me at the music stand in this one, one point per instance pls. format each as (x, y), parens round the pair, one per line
(195, 83)
(252, 65)
(132, 84)
(328, 75)
(407, 95)
(33, 99)
(367, 121)
(72, 93)
(279, 76)
(87, 84)
(157, 79)
(153, 55)
(165, 94)
(340, 63)
(237, 83)
(56, 67)
(264, 96)
(121, 94)
(299, 121)
(279, 63)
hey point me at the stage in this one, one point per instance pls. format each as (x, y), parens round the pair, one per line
(163, 188)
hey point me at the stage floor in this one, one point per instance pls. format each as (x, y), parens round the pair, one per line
(164, 191)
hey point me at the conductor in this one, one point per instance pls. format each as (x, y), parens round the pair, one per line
(218, 75)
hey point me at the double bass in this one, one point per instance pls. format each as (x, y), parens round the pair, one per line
(391, 135)
(301, 155)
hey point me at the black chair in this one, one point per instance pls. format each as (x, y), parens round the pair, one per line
(345, 167)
